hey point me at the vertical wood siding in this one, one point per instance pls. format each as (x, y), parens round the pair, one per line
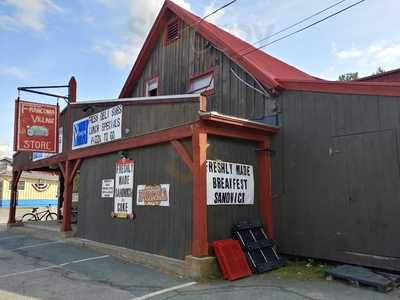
(190, 55)
(160, 230)
(221, 218)
(336, 177)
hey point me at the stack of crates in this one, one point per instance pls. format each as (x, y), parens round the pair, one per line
(259, 249)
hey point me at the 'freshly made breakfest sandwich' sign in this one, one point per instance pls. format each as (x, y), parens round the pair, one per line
(229, 183)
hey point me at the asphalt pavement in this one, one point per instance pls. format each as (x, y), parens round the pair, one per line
(32, 268)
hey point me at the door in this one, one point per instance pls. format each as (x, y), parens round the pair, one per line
(368, 171)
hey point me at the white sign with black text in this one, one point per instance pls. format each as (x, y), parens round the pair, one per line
(99, 128)
(123, 197)
(229, 183)
(107, 188)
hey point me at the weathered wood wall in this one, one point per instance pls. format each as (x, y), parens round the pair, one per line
(160, 230)
(190, 55)
(336, 178)
(138, 117)
(221, 218)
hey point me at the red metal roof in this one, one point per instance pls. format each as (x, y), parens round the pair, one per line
(271, 72)
(267, 69)
(389, 76)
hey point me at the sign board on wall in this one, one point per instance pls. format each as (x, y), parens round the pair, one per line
(98, 128)
(107, 188)
(153, 195)
(37, 127)
(123, 197)
(41, 155)
(229, 183)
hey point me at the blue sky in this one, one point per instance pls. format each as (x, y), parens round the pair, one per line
(44, 42)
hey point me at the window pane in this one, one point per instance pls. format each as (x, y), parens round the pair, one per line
(202, 84)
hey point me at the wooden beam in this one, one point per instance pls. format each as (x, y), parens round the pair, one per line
(62, 169)
(67, 205)
(162, 136)
(182, 152)
(199, 214)
(16, 175)
(232, 132)
(75, 168)
(264, 190)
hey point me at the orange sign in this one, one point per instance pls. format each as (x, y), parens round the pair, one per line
(37, 127)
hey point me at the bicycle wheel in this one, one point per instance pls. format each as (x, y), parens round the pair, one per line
(28, 217)
(51, 217)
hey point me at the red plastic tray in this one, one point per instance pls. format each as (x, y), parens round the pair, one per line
(231, 259)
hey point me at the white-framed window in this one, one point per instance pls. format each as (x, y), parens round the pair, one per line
(20, 187)
(151, 87)
(203, 83)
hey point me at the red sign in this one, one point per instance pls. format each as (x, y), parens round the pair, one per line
(37, 127)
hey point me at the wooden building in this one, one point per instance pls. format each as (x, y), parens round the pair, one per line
(324, 154)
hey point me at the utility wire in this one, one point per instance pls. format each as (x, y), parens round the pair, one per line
(218, 9)
(302, 29)
(295, 24)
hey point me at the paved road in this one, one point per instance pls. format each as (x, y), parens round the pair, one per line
(32, 268)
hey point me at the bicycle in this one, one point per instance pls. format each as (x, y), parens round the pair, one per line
(36, 215)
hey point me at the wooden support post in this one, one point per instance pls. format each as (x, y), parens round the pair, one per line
(199, 218)
(14, 196)
(70, 169)
(66, 223)
(60, 196)
(265, 194)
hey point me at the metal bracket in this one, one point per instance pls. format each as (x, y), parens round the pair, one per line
(31, 89)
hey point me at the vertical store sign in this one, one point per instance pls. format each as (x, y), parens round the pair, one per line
(98, 128)
(229, 183)
(123, 196)
(37, 127)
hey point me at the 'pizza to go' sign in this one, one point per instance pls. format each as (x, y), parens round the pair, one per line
(37, 127)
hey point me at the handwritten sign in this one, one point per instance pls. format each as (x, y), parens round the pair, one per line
(229, 183)
(123, 196)
(153, 195)
(37, 126)
(107, 188)
(98, 128)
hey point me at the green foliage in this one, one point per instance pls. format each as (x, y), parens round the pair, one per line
(348, 76)
(301, 269)
(380, 70)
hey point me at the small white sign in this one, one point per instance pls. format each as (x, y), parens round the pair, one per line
(98, 128)
(123, 197)
(107, 188)
(41, 155)
(229, 183)
(153, 195)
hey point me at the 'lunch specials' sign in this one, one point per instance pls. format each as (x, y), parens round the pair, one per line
(37, 127)
(99, 128)
(229, 183)
(123, 195)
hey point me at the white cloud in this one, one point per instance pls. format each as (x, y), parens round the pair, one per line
(367, 60)
(13, 72)
(6, 150)
(27, 14)
(346, 54)
(215, 17)
(140, 16)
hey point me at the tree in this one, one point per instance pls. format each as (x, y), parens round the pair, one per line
(380, 70)
(348, 76)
